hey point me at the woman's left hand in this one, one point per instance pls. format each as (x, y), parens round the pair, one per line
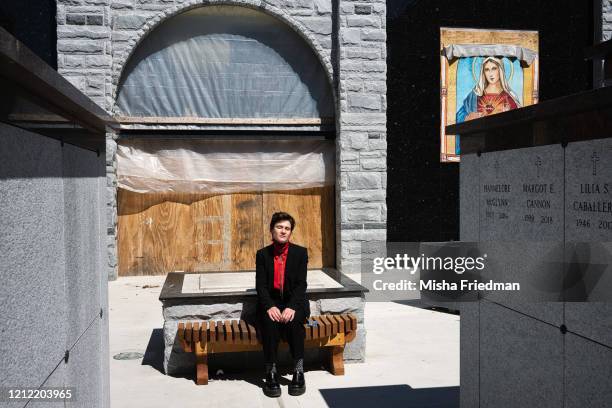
(288, 315)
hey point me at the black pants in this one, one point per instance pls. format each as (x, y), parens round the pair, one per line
(271, 332)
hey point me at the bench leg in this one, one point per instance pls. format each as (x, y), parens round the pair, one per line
(201, 365)
(336, 360)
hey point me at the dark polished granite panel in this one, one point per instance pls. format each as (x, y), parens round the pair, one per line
(588, 373)
(172, 289)
(521, 360)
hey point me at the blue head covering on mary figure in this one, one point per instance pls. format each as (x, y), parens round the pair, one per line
(491, 93)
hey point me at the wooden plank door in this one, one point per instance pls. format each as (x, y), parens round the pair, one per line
(163, 232)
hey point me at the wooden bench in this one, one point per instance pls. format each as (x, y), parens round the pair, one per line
(229, 336)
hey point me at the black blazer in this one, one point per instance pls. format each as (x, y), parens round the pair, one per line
(294, 294)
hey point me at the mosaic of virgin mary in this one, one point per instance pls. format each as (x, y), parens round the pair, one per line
(491, 94)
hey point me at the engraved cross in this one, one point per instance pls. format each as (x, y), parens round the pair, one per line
(594, 159)
(538, 164)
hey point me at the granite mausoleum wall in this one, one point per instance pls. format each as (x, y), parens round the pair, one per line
(544, 354)
(54, 299)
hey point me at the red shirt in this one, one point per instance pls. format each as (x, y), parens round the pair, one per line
(280, 259)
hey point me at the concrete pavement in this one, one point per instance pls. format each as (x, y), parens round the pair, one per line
(412, 360)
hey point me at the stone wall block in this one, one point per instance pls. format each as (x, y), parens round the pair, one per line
(373, 164)
(79, 47)
(353, 305)
(362, 21)
(319, 25)
(347, 8)
(350, 35)
(129, 21)
(368, 235)
(99, 61)
(362, 53)
(214, 311)
(364, 181)
(364, 213)
(347, 157)
(364, 101)
(354, 352)
(76, 19)
(363, 9)
(373, 35)
(365, 196)
(323, 6)
(358, 141)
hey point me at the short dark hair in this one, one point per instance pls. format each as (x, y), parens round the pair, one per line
(281, 216)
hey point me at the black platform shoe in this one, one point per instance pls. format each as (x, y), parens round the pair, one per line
(298, 384)
(271, 387)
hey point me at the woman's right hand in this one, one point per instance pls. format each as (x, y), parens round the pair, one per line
(274, 314)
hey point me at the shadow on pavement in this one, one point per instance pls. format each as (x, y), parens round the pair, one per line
(154, 354)
(154, 357)
(391, 396)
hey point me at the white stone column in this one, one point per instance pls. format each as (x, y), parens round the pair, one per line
(363, 135)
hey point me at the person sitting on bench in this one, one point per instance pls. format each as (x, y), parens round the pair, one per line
(282, 304)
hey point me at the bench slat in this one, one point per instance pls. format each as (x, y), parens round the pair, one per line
(220, 331)
(323, 328)
(315, 328)
(340, 322)
(228, 332)
(213, 331)
(244, 332)
(334, 324)
(314, 333)
(236, 332)
(347, 323)
(308, 328)
(319, 329)
(353, 321)
(327, 325)
(181, 332)
(188, 329)
(204, 336)
(252, 334)
(196, 332)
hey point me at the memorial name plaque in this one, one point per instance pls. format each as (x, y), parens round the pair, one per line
(522, 194)
(496, 197)
(589, 191)
(588, 223)
(539, 195)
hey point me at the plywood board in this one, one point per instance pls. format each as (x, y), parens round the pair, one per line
(159, 233)
(167, 231)
(313, 210)
(245, 237)
(208, 242)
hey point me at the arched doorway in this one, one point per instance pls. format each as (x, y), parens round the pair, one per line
(202, 203)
